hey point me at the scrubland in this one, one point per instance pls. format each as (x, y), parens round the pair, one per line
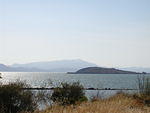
(119, 103)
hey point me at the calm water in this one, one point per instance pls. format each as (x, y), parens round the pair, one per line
(39, 79)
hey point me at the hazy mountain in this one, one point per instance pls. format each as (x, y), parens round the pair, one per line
(60, 66)
(56, 66)
(4, 67)
(17, 69)
(137, 69)
(101, 70)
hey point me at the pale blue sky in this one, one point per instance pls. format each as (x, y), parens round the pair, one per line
(112, 33)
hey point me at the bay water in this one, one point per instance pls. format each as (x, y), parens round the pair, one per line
(42, 79)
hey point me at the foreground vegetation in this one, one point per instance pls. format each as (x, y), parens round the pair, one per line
(68, 94)
(120, 103)
(70, 98)
(14, 100)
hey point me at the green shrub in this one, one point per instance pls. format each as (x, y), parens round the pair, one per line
(69, 93)
(13, 99)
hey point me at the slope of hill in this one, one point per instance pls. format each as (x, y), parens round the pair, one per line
(5, 68)
(100, 70)
(137, 69)
(50, 66)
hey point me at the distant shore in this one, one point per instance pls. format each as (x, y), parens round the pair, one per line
(101, 70)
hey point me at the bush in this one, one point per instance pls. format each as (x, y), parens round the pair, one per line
(144, 89)
(68, 94)
(13, 99)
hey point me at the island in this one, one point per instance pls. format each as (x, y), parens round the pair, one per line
(102, 70)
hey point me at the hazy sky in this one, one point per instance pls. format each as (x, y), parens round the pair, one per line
(109, 33)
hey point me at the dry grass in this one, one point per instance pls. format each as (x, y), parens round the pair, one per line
(119, 103)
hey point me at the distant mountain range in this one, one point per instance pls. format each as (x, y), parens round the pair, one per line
(5, 68)
(101, 70)
(59, 66)
(50, 66)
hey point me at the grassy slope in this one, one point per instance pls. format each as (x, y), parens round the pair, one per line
(117, 104)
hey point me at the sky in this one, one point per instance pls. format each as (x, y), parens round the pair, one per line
(111, 33)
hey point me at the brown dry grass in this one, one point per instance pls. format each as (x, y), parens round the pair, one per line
(119, 103)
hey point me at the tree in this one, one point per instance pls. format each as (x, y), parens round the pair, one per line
(14, 99)
(69, 93)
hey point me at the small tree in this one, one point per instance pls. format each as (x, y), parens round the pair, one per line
(69, 93)
(144, 89)
(144, 85)
(14, 99)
